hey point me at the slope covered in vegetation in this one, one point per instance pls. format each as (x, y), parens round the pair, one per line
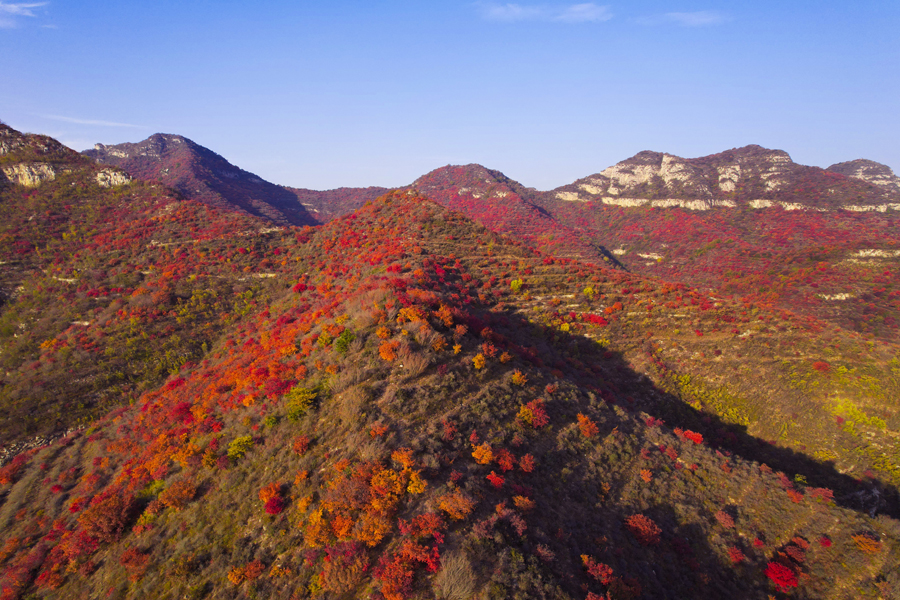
(422, 408)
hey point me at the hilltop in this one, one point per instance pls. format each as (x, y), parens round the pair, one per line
(202, 175)
(404, 403)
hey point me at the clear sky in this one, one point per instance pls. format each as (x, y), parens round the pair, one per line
(379, 92)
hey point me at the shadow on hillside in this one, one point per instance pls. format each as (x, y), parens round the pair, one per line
(635, 392)
(587, 519)
(586, 515)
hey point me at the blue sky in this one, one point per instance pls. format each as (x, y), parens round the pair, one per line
(343, 93)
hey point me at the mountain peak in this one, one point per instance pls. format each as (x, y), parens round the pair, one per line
(200, 174)
(869, 170)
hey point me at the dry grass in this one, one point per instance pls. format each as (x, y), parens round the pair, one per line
(456, 580)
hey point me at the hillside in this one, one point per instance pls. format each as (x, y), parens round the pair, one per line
(748, 222)
(202, 175)
(108, 285)
(410, 405)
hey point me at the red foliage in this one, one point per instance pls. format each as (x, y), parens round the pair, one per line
(783, 577)
(301, 445)
(505, 460)
(736, 555)
(274, 505)
(643, 529)
(693, 436)
(496, 480)
(599, 571)
(821, 366)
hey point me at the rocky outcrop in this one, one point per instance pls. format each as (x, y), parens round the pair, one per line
(869, 170)
(30, 174)
(748, 177)
(112, 177)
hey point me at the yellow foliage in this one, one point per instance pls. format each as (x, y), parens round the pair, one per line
(416, 483)
(518, 378)
(236, 575)
(371, 528)
(303, 504)
(478, 361)
(522, 503)
(317, 532)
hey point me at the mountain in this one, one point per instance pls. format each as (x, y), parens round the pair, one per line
(871, 171)
(402, 403)
(748, 221)
(751, 176)
(506, 206)
(200, 174)
(326, 205)
(93, 283)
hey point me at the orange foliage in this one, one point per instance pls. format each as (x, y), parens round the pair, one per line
(403, 457)
(270, 491)
(588, 428)
(388, 350)
(177, 495)
(483, 454)
(456, 505)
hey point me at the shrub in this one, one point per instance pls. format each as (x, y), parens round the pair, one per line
(643, 529)
(239, 446)
(483, 454)
(342, 344)
(107, 516)
(177, 495)
(299, 401)
(588, 428)
(783, 577)
(456, 505)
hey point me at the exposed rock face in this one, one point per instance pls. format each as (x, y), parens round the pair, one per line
(752, 177)
(29, 175)
(869, 170)
(10, 140)
(112, 177)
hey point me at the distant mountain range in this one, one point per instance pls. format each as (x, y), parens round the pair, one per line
(747, 221)
(751, 176)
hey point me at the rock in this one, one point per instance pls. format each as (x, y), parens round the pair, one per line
(30, 175)
(112, 177)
